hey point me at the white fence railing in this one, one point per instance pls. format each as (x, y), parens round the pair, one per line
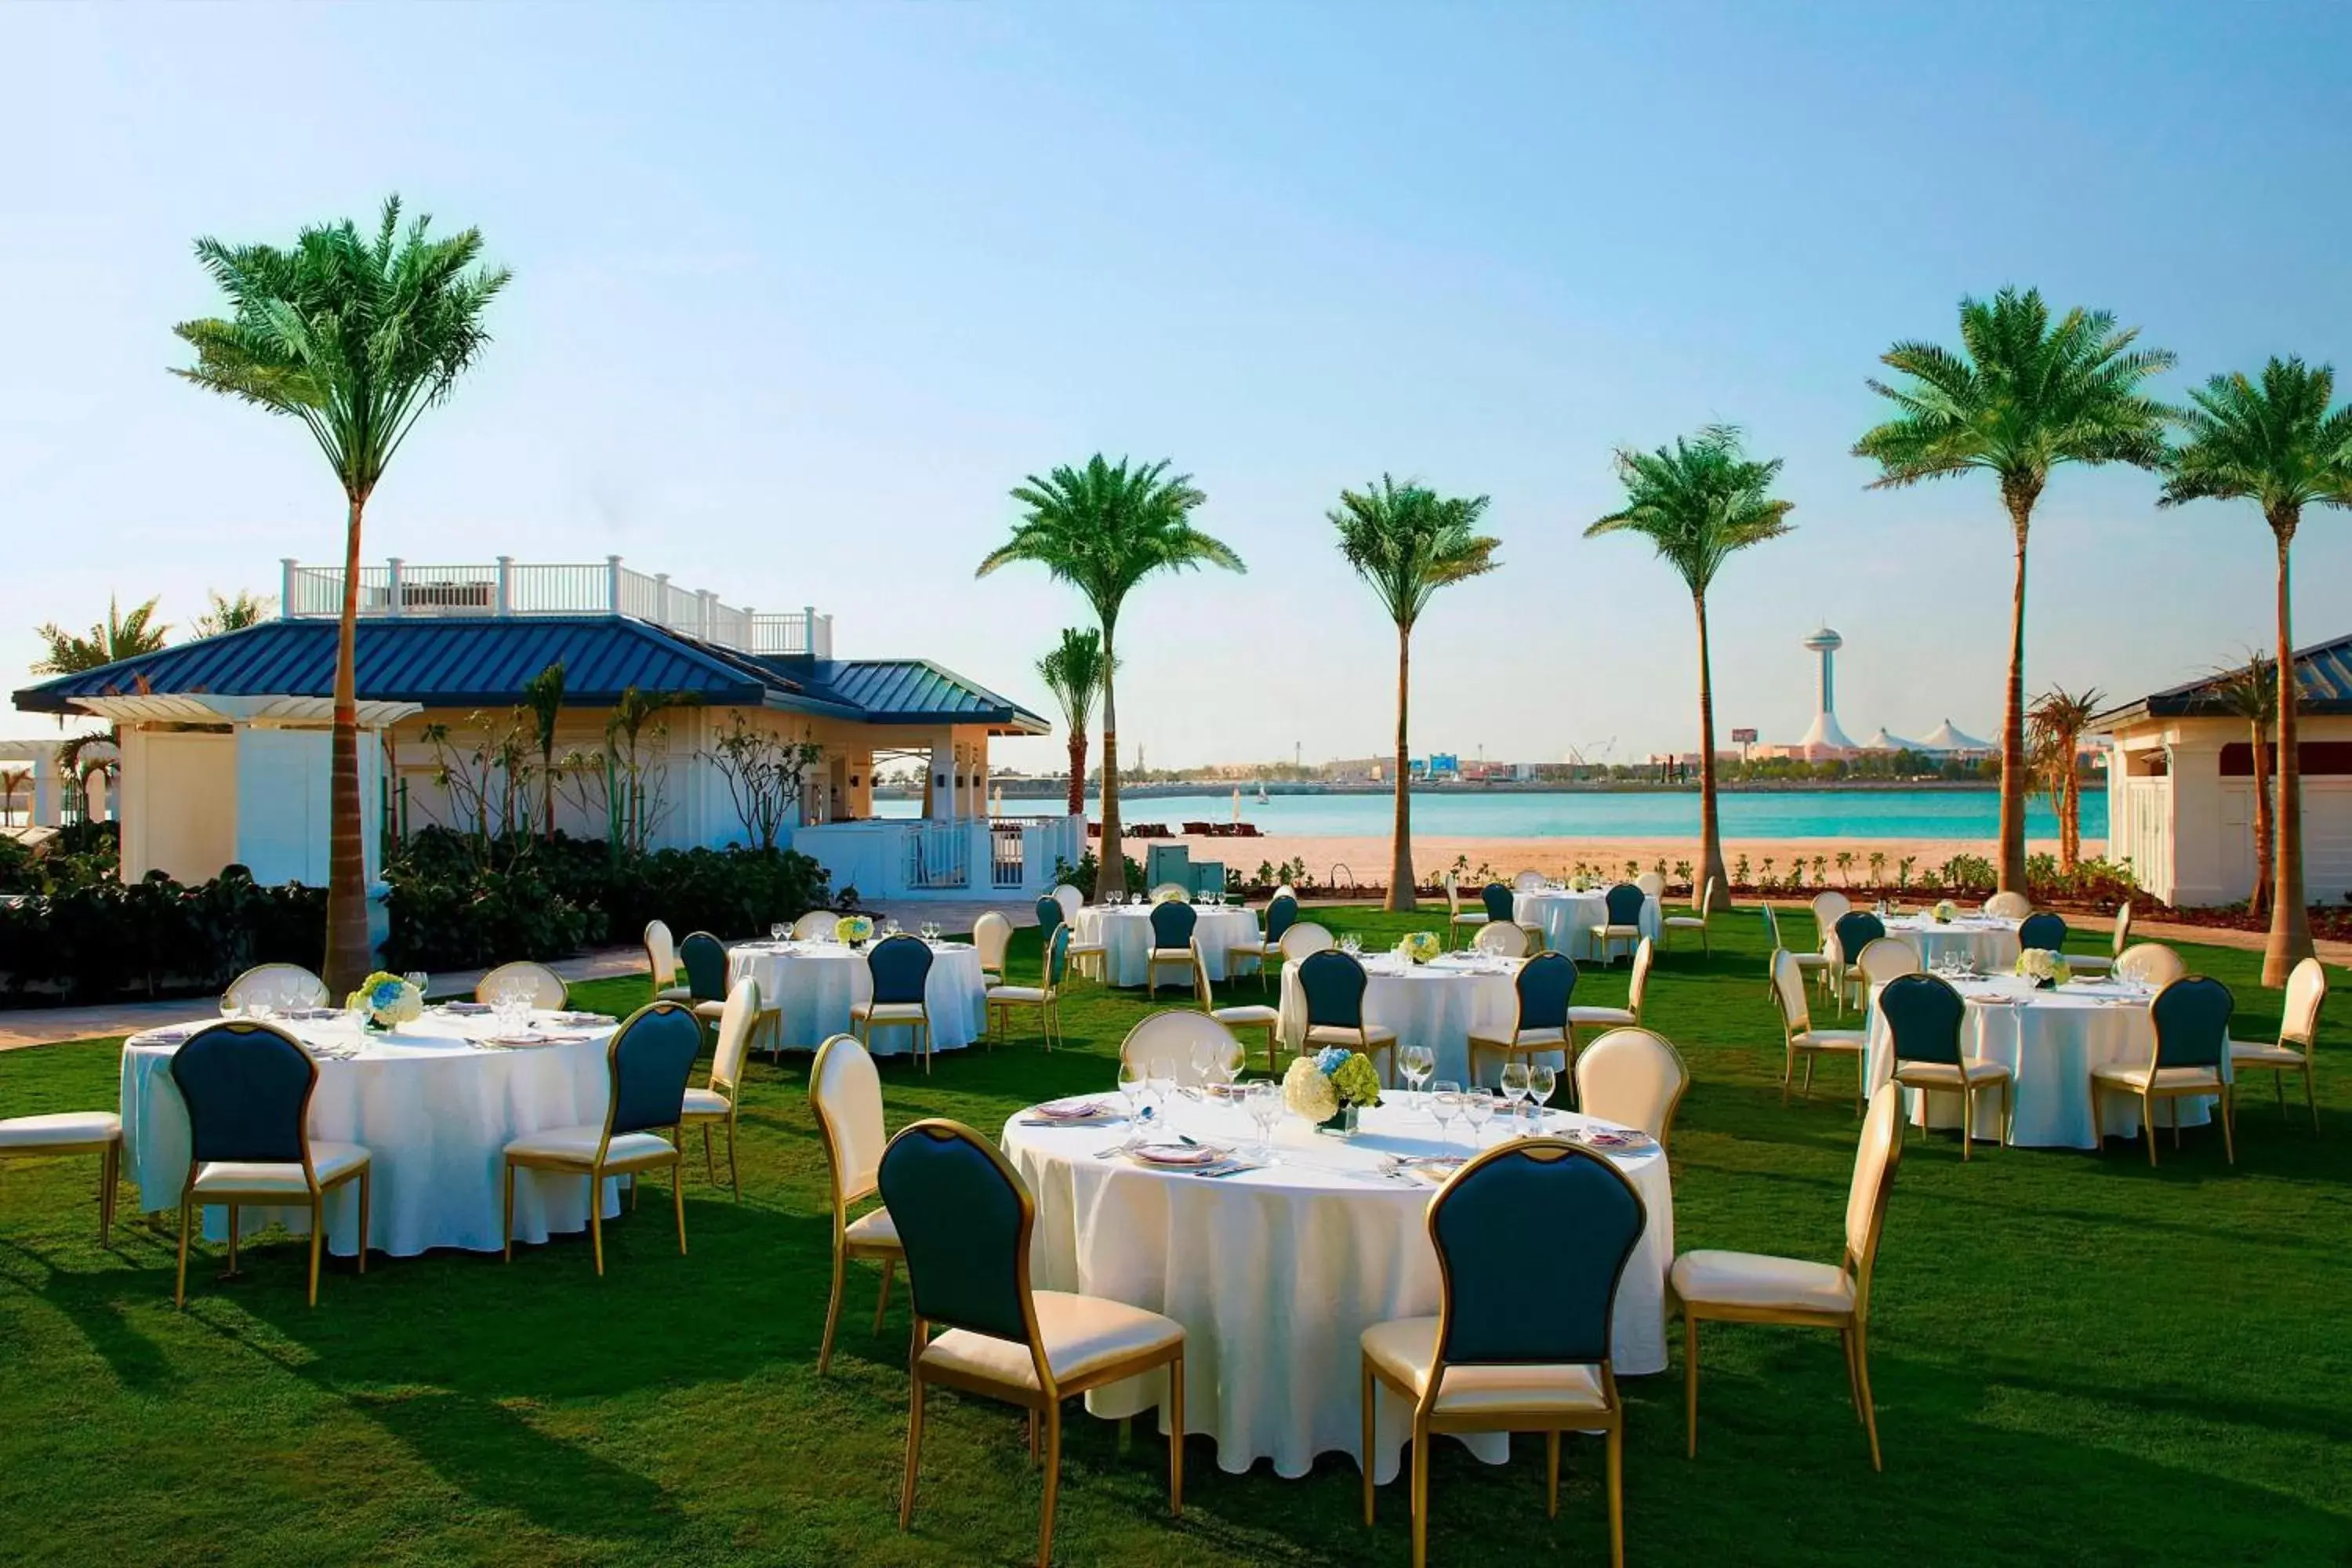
(510, 587)
(939, 857)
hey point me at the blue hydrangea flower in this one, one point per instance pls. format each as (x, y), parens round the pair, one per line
(1329, 1059)
(386, 993)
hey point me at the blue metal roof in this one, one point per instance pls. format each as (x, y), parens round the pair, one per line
(2323, 674)
(479, 662)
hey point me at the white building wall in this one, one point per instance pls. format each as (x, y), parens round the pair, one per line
(178, 804)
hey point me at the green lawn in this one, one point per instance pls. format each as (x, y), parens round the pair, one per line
(2077, 1360)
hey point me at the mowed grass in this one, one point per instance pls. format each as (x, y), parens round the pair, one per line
(2077, 1360)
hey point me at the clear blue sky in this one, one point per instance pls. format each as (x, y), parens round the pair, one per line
(799, 293)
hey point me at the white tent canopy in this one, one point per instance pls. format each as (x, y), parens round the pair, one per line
(1944, 738)
(1880, 740)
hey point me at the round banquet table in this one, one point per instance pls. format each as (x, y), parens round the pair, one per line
(1275, 1272)
(2050, 1040)
(806, 989)
(1437, 1005)
(1124, 931)
(1568, 919)
(434, 1106)
(1991, 943)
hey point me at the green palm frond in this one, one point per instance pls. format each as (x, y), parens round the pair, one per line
(1074, 671)
(1407, 542)
(1698, 502)
(1106, 527)
(231, 612)
(2277, 444)
(116, 637)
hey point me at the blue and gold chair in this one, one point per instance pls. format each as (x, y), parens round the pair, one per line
(1923, 1016)
(1800, 1039)
(704, 957)
(846, 1094)
(646, 1068)
(1500, 909)
(1281, 915)
(1544, 985)
(247, 1088)
(1621, 920)
(1173, 922)
(1855, 930)
(1002, 999)
(1757, 1288)
(1333, 984)
(2192, 1059)
(900, 970)
(964, 1218)
(1521, 1342)
(2043, 930)
(719, 1101)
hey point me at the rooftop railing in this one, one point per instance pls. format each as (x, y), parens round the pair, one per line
(510, 587)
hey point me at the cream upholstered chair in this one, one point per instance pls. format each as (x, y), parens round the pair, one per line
(1169, 893)
(1882, 959)
(2010, 905)
(1830, 906)
(1652, 883)
(1528, 882)
(846, 1094)
(2151, 963)
(1304, 938)
(1165, 1044)
(65, 1132)
(661, 963)
(1625, 1017)
(2099, 963)
(1333, 986)
(646, 1068)
(1248, 1016)
(815, 925)
(1634, 1077)
(1071, 900)
(1003, 999)
(1924, 1015)
(1457, 918)
(2306, 990)
(1801, 1038)
(1755, 1288)
(248, 1088)
(1521, 1342)
(965, 1219)
(717, 1103)
(1697, 919)
(992, 934)
(546, 987)
(276, 985)
(2192, 1059)
(1501, 940)
(1806, 962)
(1542, 988)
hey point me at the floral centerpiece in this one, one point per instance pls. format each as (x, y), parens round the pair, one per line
(1330, 1087)
(1418, 947)
(383, 1000)
(2041, 966)
(855, 930)
(1945, 911)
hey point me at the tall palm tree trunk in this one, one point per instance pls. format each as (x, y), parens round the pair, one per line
(2012, 726)
(2290, 939)
(1400, 877)
(2265, 860)
(1078, 768)
(1110, 870)
(349, 955)
(1710, 831)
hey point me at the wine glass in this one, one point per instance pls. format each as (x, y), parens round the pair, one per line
(1263, 1101)
(419, 978)
(1542, 1079)
(1232, 1059)
(1134, 1086)
(1478, 1110)
(1514, 1082)
(1445, 1102)
(1159, 1077)
(230, 1007)
(778, 930)
(1416, 1063)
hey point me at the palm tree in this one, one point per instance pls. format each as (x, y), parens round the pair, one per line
(232, 613)
(116, 637)
(2281, 446)
(2251, 691)
(1698, 501)
(2022, 397)
(1408, 543)
(542, 695)
(1074, 673)
(2058, 720)
(355, 337)
(1103, 529)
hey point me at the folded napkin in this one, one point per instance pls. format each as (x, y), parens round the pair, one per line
(171, 1035)
(1069, 1111)
(524, 1042)
(577, 1019)
(466, 1009)
(311, 1014)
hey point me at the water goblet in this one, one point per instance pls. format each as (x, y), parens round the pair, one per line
(1445, 1103)
(1134, 1086)
(419, 978)
(1542, 1079)
(1263, 1099)
(1416, 1063)
(778, 930)
(1514, 1082)
(1159, 1079)
(1231, 1060)
(230, 1007)
(1478, 1110)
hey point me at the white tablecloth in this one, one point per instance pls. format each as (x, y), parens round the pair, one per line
(1125, 933)
(1276, 1273)
(806, 990)
(435, 1113)
(1992, 944)
(2051, 1042)
(1437, 1005)
(1568, 919)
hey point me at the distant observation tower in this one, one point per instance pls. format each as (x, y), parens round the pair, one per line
(1825, 736)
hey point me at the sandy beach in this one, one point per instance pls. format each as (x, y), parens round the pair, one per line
(1365, 861)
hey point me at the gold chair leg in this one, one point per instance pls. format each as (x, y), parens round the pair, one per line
(2307, 1100)
(179, 1291)
(596, 1220)
(832, 1307)
(1364, 1454)
(1053, 1484)
(709, 1161)
(1551, 1467)
(1869, 1406)
(110, 1176)
(677, 1202)
(914, 1451)
(734, 1171)
(1853, 1383)
(2147, 1127)
(366, 1176)
(507, 1233)
(1616, 1493)
(1420, 1494)
(232, 1243)
(318, 1235)
(2229, 1119)
(1176, 1437)
(882, 1301)
(1690, 1383)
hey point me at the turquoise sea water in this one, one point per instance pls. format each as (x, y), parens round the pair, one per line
(1779, 813)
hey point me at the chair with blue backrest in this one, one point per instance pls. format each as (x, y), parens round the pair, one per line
(1173, 924)
(1522, 1338)
(1623, 907)
(1060, 908)
(1500, 908)
(1544, 985)
(247, 1088)
(1333, 984)
(900, 970)
(2043, 930)
(646, 1068)
(2192, 1059)
(1855, 930)
(1003, 998)
(1756, 1287)
(1924, 1015)
(964, 1218)
(845, 1093)
(704, 957)
(1281, 915)
(1049, 916)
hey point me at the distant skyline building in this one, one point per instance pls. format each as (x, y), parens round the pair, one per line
(1825, 739)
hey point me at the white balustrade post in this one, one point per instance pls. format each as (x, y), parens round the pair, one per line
(505, 586)
(392, 604)
(661, 598)
(612, 583)
(808, 630)
(705, 614)
(285, 586)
